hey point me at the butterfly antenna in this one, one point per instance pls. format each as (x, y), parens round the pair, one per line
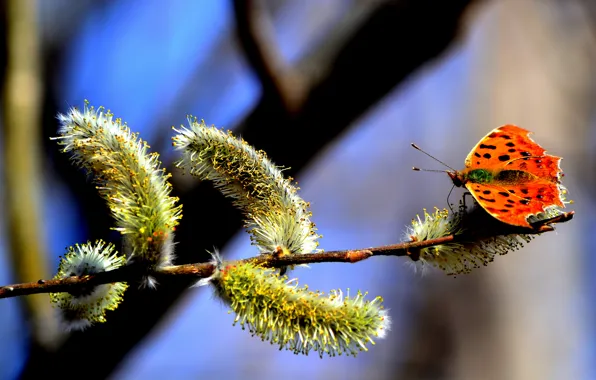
(429, 170)
(433, 157)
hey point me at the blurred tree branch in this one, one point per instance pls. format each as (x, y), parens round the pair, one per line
(23, 164)
(397, 39)
(256, 36)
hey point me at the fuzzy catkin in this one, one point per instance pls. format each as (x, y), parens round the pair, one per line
(89, 305)
(296, 318)
(465, 254)
(129, 178)
(276, 216)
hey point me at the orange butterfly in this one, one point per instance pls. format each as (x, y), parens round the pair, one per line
(511, 176)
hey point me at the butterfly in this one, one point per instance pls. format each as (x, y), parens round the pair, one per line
(511, 176)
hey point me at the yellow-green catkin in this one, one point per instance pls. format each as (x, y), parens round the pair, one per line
(89, 304)
(129, 178)
(296, 318)
(276, 216)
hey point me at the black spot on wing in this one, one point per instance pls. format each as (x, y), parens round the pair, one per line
(486, 199)
(486, 155)
(504, 193)
(504, 157)
(525, 154)
(484, 146)
(512, 150)
(477, 154)
(510, 144)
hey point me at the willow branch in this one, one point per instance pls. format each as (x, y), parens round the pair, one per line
(132, 273)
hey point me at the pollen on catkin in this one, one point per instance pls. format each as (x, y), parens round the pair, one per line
(89, 304)
(470, 251)
(129, 178)
(297, 319)
(277, 218)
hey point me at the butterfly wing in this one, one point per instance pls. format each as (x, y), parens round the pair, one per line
(510, 147)
(510, 137)
(513, 204)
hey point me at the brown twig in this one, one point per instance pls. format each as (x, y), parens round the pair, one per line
(198, 271)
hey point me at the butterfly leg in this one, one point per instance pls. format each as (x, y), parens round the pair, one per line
(464, 205)
(448, 195)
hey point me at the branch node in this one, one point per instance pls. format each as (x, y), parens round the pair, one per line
(355, 256)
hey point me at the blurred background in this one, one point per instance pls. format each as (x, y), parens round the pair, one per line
(336, 90)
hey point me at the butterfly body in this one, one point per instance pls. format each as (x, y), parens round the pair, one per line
(511, 176)
(496, 177)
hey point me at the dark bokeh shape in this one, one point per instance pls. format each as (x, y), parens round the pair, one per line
(398, 39)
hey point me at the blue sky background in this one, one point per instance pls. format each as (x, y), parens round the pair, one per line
(135, 57)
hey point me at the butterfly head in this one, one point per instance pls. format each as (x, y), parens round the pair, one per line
(458, 178)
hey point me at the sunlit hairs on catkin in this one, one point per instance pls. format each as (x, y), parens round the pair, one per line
(88, 305)
(476, 244)
(277, 218)
(295, 318)
(129, 178)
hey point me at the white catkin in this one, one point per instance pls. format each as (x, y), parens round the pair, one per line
(89, 305)
(459, 257)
